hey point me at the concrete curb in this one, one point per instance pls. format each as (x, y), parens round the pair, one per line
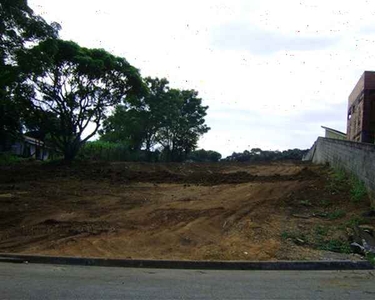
(188, 264)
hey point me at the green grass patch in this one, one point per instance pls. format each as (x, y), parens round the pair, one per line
(321, 230)
(325, 202)
(334, 246)
(339, 175)
(9, 158)
(355, 221)
(338, 181)
(371, 258)
(358, 190)
(337, 214)
(305, 203)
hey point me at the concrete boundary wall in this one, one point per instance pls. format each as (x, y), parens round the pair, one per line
(356, 158)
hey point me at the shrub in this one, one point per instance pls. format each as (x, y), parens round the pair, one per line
(321, 230)
(7, 158)
(340, 180)
(358, 190)
(108, 151)
(371, 258)
(204, 155)
(340, 175)
(355, 221)
(337, 214)
(334, 246)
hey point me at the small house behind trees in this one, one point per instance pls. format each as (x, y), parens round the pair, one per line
(30, 147)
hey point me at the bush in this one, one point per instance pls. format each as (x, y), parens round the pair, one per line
(335, 246)
(107, 151)
(371, 258)
(321, 230)
(257, 154)
(340, 180)
(355, 221)
(358, 190)
(337, 214)
(204, 155)
(340, 175)
(7, 158)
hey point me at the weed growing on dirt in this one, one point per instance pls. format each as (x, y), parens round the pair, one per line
(340, 175)
(321, 230)
(337, 214)
(338, 181)
(296, 237)
(8, 159)
(325, 202)
(286, 235)
(321, 241)
(358, 190)
(371, 258)
(305, 203)
(334, 246)
(355, 221)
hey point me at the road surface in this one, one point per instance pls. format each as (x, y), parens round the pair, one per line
(33, 281)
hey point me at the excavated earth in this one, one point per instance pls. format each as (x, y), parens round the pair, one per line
(206, 211)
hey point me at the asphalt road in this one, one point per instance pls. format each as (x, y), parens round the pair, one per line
(32, 281)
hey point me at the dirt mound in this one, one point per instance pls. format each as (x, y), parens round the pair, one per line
(207, 174)
(202, 177)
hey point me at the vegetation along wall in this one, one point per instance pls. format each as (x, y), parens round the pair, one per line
(356, 158)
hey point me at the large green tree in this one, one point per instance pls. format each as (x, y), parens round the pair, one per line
(171, 118)
(204, 156)
(125, 126)
(72, 87)
(182, 125)
(18, 26)
(137, 122)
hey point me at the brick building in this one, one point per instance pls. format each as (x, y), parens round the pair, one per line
(361, 110)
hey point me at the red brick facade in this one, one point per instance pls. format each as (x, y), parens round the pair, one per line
(361, 110)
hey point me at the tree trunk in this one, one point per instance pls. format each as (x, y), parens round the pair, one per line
(148, 152)
(71, 151)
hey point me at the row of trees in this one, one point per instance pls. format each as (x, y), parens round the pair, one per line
(257, 154)
(64, 92)
(109, 151)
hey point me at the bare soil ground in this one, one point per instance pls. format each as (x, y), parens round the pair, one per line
(229, 211)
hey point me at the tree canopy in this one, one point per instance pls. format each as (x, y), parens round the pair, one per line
(257, 154)
(170, 118)
(202, 155)
(18, 26)
(71, 87)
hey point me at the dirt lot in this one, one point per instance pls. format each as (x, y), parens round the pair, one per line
(272, 211)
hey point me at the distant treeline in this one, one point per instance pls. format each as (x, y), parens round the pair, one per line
(257, 154)
(110, 151)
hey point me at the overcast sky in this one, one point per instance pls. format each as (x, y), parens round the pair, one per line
(272, 72)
